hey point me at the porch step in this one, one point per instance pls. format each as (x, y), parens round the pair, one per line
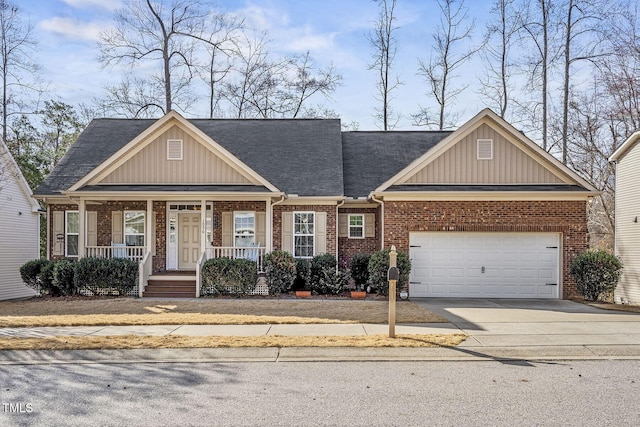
(172, 288)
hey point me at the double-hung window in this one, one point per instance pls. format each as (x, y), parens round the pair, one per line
(356, 226)
(71, 234)
(244, 229)
(303, 234)
(134, 228)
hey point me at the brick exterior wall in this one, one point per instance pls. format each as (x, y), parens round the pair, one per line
(331, 223)
(348, 247)
(566, 217)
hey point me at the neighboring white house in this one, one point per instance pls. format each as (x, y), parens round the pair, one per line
(19, 227)
(627, 160)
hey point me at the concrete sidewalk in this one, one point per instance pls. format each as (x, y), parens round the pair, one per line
(506, 330)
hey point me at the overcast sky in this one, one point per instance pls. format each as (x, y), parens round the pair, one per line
(333, 31)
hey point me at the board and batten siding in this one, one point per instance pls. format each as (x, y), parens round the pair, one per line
(198, 165)
(627, 230)
(19, 235)
(460, 165)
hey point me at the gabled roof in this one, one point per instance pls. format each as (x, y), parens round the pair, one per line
(487, 116)
(626, 146)
(7, 160)
(371, 158)
(297, 156)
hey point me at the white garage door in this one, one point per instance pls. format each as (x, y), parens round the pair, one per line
(484, 265)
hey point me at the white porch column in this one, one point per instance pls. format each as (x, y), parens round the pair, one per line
(203, 225)
(82, 235)
(269, 226)
(149, 240)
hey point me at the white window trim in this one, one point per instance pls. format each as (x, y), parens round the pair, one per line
(67, 233)
(480, 141)
(169, 146)
(124, 226)
(234, 225)
(294, 234)
(355, 226)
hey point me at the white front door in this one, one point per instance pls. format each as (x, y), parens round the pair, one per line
(189, 240)
(484, 265)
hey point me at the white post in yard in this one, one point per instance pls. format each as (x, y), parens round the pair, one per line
(393, 276)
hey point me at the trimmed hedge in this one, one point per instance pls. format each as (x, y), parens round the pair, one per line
(359, 269)
(49, 277)
(228, 276)
(379, 267)
(324, 278)
(280, 270)
(596, 272)
(106, 276)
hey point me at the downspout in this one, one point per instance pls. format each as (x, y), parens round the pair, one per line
(342, 202)
(381, 203)
(283, 198)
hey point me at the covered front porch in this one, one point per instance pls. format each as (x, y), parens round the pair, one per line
(170, 239)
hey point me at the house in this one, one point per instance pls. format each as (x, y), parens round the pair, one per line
(482, 211)
(19, 227)
(627, 228)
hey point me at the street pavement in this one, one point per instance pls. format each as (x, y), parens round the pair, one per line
(496, 329)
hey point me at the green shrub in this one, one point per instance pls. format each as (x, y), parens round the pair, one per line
(62, 277)
(106, 276)
(280, 270)
(379, 267)
(596, 272)
(324, 278)
(302, 274)
(30, 273)
(227, 276)
(359, 269)
(46, 280)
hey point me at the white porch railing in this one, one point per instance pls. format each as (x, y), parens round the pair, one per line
(134, 253)
(253, 253)
(144, 271)
(201, 260)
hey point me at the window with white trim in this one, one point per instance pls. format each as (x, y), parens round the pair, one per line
(71, 233)
(485, 149)
(244, 229)
(303, 234)
(356, 226)
(134, 228)
(174, 149)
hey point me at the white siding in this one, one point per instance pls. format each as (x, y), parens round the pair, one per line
(627, 230)
(19, 233)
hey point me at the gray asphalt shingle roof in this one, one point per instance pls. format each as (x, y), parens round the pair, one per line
(297, 156)
(371, 158)
(308, 157)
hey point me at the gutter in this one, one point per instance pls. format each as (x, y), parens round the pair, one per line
(342, 202)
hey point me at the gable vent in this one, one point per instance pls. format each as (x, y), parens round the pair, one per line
(485, 149)
(174, 149)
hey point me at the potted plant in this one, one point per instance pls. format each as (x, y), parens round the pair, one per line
(359, 269)
(300, 285)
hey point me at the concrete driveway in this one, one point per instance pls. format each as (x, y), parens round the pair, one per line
(538, 323)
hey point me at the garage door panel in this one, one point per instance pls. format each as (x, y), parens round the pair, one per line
(516, 265)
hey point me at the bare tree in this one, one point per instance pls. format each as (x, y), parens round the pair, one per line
(496, 53)
(18, 69)
(132, 98)
(385, 47)
(157, 32)
(267, 87)
(451, 50)
(537, 24)
(581, 39)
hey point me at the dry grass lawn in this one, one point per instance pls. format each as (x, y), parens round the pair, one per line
(133, 311)
(136, 341)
